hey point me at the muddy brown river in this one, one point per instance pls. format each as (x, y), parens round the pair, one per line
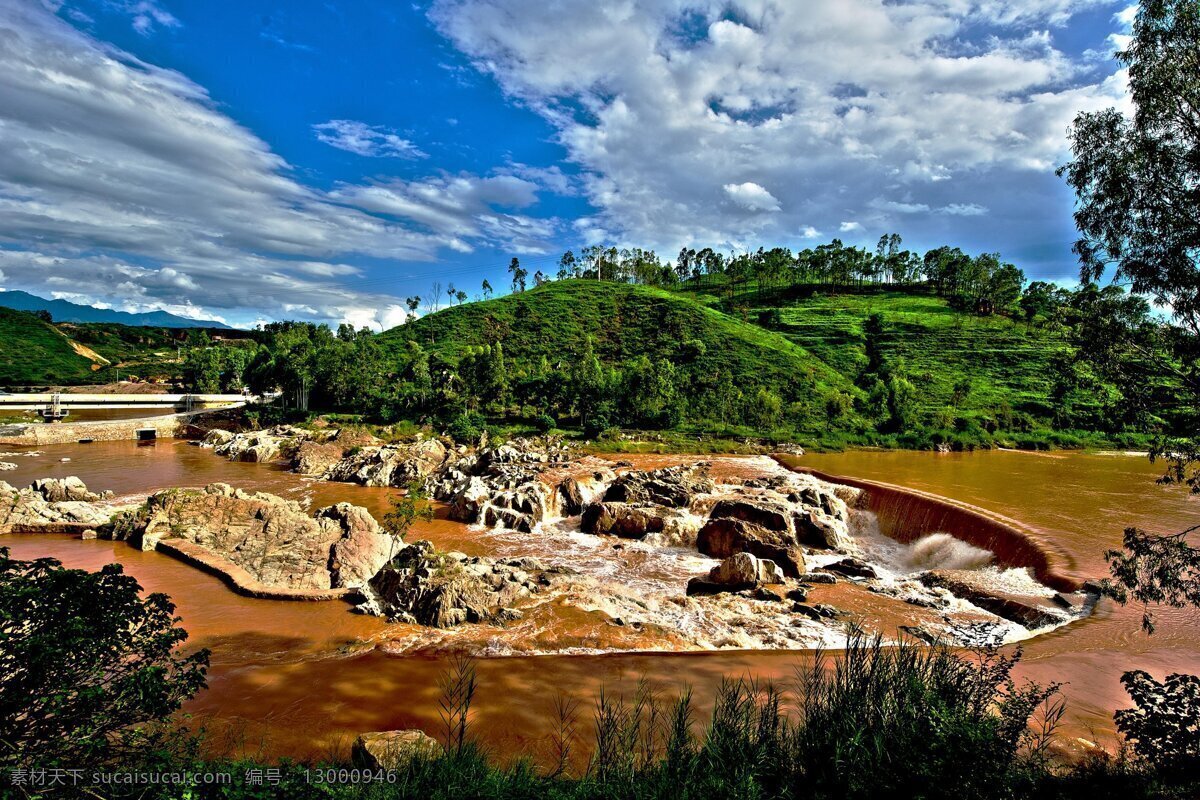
(302, 679)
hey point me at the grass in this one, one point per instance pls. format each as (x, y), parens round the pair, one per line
(35, 352)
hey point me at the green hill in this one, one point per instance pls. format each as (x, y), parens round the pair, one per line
(1003, 360)
(35, 352)
(551, 325)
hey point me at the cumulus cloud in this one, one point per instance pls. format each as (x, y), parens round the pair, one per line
(751, 196)
(366, 140)
(123, 183)
(666, 106)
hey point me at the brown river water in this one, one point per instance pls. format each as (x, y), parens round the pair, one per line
(302, 679)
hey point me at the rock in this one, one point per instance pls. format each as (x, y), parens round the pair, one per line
(1076, 602)
(816, 529)
(797, 594)
(766, 595)
(738, 572)
(7, 466)
(57, 490)
(391, 750)
(1029, 612)
(919, 633)
(853, 567)
(396, 465)
(361, 550)
(257, 446)
(30, 510)
(420, 585)
(621, 519)
(818, 578)
(674, 487)
(721, 538)
(763, 513)
(271, 538)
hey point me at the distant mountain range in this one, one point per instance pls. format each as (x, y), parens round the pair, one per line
(64, 311)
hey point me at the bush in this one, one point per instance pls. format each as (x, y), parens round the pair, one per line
(467, 427)
(544, 423)
(85, 662)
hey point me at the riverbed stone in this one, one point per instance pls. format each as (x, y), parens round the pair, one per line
(1028, 611)
(30, 510)
(391, 750)
(721, 538)
(420, 585)
(622, 519)
(674, 487)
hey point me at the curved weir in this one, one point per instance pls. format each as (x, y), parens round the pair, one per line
(908, 514)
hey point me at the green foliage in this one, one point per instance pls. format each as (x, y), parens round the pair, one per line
(84, 662)
(467, 427)
(407, 509)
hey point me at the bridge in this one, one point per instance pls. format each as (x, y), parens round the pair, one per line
(59, 404)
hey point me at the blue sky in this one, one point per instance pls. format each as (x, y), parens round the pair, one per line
(252, 161)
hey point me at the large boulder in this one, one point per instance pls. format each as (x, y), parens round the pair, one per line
(622, 519)
(761, 512)
(674, 487)
(721, 538)
(273, 539)
(391, 750)
(274, 443)
(361, 549)
(817, 529)
(739, 572)
(442, 590)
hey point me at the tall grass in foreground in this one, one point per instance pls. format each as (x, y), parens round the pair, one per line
(867, 722)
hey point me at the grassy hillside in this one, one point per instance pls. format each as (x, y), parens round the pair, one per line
(35, 352)
(935, 345)
(626, 322)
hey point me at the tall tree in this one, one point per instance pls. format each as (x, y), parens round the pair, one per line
(1137, 185)
(518, 275)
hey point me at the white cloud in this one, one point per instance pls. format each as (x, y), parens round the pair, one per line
(665, 104)
(964, 210)
(751, 197)
(147, 15)
(123, 183)
(366, 140)
(850, 227)
(809, 232)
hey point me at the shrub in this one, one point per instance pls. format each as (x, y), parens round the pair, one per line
(544, 423)
(467, 427)
(85, 663)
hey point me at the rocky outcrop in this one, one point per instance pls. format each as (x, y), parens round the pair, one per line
(723, 537)
(739, 572)
(673, 487)
(515, 485)
(262, 446)
(58, 490)
(396, 465)
(853, 568)
(1030, 612)
(54, 504)
(391, 750)
(622, 519)
(420, 585)
(273, 539)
